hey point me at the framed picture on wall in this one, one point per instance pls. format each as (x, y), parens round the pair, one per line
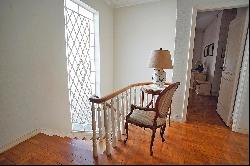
(209, 50)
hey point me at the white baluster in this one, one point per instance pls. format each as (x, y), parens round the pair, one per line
(130, 98)
(127, 106)
(124, 102)
(106, 125)
(123, 117)
(139, 96)
(99, 114)
(135, 96)
(147, 99)
(94, 130)
(103, 126)
(118, 116)
(113, 123)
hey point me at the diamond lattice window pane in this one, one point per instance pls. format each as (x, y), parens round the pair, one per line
(80, 63)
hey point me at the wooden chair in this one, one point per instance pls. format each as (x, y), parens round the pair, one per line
(155, 117)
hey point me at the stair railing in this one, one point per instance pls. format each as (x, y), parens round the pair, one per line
(109, 113)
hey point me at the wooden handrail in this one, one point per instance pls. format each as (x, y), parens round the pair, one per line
(97, 100)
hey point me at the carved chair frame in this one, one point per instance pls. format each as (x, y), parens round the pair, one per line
(156, 110)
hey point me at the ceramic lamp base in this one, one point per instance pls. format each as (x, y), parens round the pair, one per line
(159, 77)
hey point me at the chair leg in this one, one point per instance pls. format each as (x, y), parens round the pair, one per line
(169, 120)
(126, 128)
(152, 141)
(162, 132)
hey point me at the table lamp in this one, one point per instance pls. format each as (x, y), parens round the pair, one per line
(160, 60)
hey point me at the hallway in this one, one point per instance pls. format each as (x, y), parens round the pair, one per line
(202, 110)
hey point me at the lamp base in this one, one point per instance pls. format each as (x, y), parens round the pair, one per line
(159, 77)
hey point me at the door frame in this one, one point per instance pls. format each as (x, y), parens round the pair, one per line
(195, 10)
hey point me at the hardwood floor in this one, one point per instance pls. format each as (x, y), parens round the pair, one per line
(202, 110)
(203, 139)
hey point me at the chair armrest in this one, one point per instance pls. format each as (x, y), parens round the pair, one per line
(141, 108)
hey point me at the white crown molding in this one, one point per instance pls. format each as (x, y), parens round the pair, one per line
(127, 3)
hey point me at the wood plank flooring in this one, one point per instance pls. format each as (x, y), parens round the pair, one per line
(203, 139)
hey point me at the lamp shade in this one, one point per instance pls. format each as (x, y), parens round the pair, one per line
(160, 59)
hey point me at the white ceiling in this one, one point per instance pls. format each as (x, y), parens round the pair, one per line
(203, 19)
(124, 3)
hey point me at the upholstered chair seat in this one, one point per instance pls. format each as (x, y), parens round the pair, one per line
(145, 118)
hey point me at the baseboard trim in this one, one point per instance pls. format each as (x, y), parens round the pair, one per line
(240, 130)
(51, 132)
(80, 135)
(176, 118)
(17, 141)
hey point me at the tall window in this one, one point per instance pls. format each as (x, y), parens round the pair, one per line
(81, 51)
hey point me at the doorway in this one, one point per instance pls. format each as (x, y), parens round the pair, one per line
(217, 56)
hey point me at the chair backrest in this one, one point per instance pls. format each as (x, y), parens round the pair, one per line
(164, 100)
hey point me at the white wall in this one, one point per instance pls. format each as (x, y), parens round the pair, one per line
(198, 44)
(33, 75)
(211, 35)
(33, 72)
(181, 70)
(138, 30)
